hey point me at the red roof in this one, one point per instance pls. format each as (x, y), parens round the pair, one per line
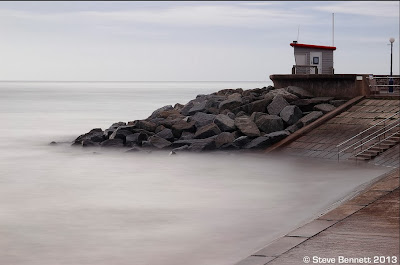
(312, 46)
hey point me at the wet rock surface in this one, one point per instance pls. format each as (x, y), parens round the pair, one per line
(230, 119)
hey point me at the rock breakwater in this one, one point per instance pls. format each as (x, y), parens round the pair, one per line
(230, 119)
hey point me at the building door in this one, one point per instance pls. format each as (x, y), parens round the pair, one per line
(316, 60)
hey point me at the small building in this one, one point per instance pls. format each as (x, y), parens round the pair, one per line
(312, 59)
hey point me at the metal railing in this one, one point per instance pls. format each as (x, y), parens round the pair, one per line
(379, 141)
(364, 139)
(376, 87)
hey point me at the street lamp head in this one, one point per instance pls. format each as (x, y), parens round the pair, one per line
(391, 40)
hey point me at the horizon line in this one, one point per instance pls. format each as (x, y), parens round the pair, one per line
(130, 81)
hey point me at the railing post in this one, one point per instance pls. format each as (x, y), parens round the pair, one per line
(293, 70)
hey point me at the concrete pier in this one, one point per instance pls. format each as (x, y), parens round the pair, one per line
(366, 226)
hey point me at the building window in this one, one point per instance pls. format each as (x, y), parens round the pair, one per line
(315, 60)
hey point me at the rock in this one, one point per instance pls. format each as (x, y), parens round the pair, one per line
(186, 136)
(277, 105)
(294, 127)
(178, 107)
(94, 135)
(158, 142)
(299, 92)
(241, 113)
(182, 126)
(223, 138)
(269, 123)
(259, 105)
(120, 134)
(289, 97)
(309, 118)
(88, 143)
(258, 143)
(189, 142)
(53, 143)
(241, 141)
(225, 123)
(198, 107)
(167, 113)
(277, 136)
(291, 114)
(159, 128)
(325, 108)
(229, 146)
(229, 91)
(255, 115)
(202, 145)
(112, 143)
(145, 125)
(187, 107)
(247, 126)
(201, 119)
(166, 134)
(158, 111)
(337, 102)
(233, 101)
(135, 139)
(207, 131)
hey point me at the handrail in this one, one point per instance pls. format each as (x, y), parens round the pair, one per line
(398, 123)
(348, 147)
(397, 113)
(375, 144)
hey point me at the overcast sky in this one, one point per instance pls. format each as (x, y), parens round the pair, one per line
(189, 41)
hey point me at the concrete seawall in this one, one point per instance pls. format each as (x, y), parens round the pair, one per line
(339, 85)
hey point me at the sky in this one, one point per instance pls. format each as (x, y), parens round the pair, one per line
(189, 41)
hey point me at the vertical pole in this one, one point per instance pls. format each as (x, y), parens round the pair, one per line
(391, 59)
(333, 40)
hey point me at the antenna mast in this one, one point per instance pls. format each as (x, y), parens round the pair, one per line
(333, 29)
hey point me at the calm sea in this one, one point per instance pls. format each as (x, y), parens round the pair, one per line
(70, 206)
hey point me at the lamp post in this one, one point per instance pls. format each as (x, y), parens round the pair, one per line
(391, 40)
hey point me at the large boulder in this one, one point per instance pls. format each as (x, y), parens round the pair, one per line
(135, 139)
(166, 134)
(269, 123)
(325, 108)
(113, 143)
(289, 97)
(255, 115)
(144, 125)
(233, 101)
(167, 113)
(247, 126)
(311, 117)
(258, 143)
(120, 134)
(207, 131)
(277, 105)
(294, 127)
(182, 126)
(198, 107)
(291, 114)
(225, 123)
(255, 106)
(94, 135)
(308, 104)
(156, 113)
(201, 119)
(277, 136)
(299, 92)
(158, 142)
(224, 138)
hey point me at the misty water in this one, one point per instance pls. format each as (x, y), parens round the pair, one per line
(61, 205)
